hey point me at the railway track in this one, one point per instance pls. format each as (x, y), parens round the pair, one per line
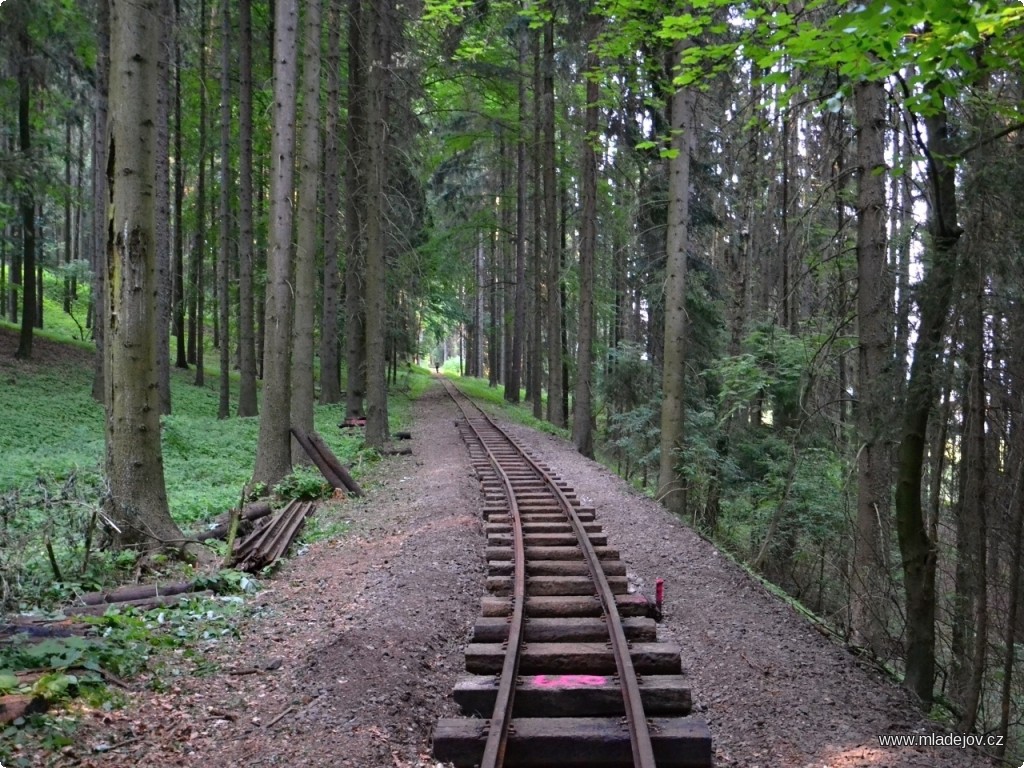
(565, 666)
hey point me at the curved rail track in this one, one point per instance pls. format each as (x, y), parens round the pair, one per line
(567, 670)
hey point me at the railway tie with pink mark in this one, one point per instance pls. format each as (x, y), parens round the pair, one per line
(565, 665)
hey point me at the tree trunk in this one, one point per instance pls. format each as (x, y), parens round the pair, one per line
(98, 257)
(903, 224)
(305, 254)
(504, 268)
(874, 381)
(673, 386)
(273, 448)
(178, 298)
(1016, 541)
(376, 280)
(224, 235)
(355, 265)
(28, 205)
(537, 313)
(330, 373)
(970, 608)
(514, 382)
(552, 241)
(493, 331)
(4, 233)
(137, 499)
(479, 308)
(247, 402)
(971, 586)
(583, 416)
(198, 262)
(163, 212)
(67, 195)
(935, 297)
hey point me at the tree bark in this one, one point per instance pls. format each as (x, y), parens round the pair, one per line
(224, 232)
(515, 378)
(99, 196)
(197, 268)
(305, 254)
(273, 449)
(874, 379)
(178, 295)
(670, 486)
(538, 315)
(376, 279)
(27, 201)
(971, 585)
(163, 211)
(355, 264)
(479, 310)
(1016, 540)
(65, 257)
(552, 240)
(330, 374)
(935, 294)
(247, 402)
(137, 500)
(970, 609)
(583, 416)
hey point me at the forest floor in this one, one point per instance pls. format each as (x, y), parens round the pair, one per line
(350, 653)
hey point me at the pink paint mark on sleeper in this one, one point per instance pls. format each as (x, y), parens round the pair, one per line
(568, 681)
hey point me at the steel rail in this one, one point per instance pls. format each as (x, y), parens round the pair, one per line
(636, 720)
(501, 716)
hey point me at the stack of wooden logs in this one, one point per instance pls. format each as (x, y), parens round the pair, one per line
(332, 469)
(268, 542)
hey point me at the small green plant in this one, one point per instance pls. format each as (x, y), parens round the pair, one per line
(303, 483)
(8, 682)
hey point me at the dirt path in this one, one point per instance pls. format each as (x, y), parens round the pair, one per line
(356, 643)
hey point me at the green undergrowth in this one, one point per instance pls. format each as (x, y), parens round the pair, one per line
(152, 648)
(409, 385)
(51, 479)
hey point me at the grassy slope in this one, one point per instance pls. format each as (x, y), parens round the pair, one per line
(51, 427)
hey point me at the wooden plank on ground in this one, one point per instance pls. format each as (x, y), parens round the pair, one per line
(494, 629)
(678, 742)
(545, 606)
(576, 658)
(556, 585)
(575, 695)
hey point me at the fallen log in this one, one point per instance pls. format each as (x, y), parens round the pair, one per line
(315, 456)
(42, 629)
(137, 592)
(17, 705)
(142, 604)
(331, 460)
(252, 542)
(264, 546)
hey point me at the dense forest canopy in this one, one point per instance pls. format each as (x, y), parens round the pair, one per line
(763, 258)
